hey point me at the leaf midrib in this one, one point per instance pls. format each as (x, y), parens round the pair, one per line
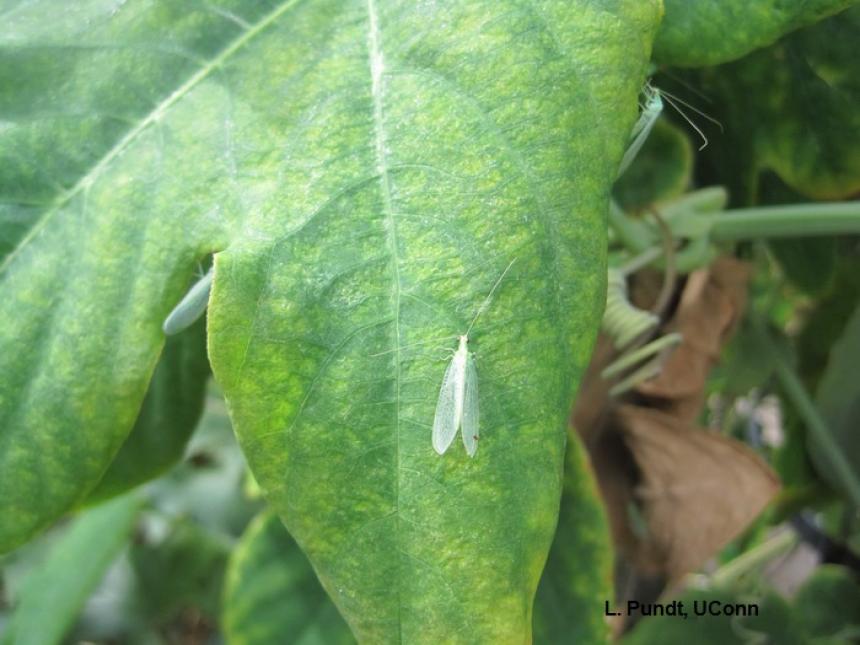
(153, 116)
(377, 67)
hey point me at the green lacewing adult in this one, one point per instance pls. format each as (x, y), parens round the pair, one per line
(651, 111)
(652, 108)
(191, 307)
(457, 407)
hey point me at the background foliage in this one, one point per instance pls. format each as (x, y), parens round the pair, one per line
(360, 173)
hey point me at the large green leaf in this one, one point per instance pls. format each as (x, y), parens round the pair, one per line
(272, 594)
(330, 357)
(364, 171)
(696, 33)
(54, 593)
(100, 228)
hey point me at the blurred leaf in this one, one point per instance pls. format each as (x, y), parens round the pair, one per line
(828, 604)
(791, 108)
(77, 79)
(182, 568)
(809, 263)
(570, 597)
(838, 399)
(776, 622)
(55, 592)
(815, 144)
(209, 485)
(827, 321)
(792, 463)
(702, 630)
(696, 33)
(675, 493)
(272, 594)
(661, 171)
(170, 412)
(743, 364)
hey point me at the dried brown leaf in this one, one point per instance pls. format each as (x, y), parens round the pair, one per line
(698, 490)
(711, 304)
(675, 494)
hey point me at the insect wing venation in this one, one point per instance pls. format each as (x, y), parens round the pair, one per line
(470, 407)
(445, 422)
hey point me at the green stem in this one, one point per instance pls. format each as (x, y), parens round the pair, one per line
(635, 236)
(643, 259)
(815, 423)
(729, 573)
(704, 200)
(650, 369)
(640, 354)
(796, 220)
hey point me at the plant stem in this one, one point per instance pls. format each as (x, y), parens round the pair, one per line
(815, 423)
(754, 558)
(634, 235)
(642, 353)
(643, 259)
(796, 220)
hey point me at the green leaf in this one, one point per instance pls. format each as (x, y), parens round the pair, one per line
(107, 224)
(791, 108)
(712, 619)
(777, 622)
(743, 364)
(809, 263)
(332, 352)
(363, 172)
(272, 594)
(661, 171)
(813, 145)
(55, 592)
(171, 410)
(576, 581)
(829, 602)
(671, 630)
(180, 565)
(696, 33)
(838, 399)
(832, 312)
(209, 485)
(825, 607)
